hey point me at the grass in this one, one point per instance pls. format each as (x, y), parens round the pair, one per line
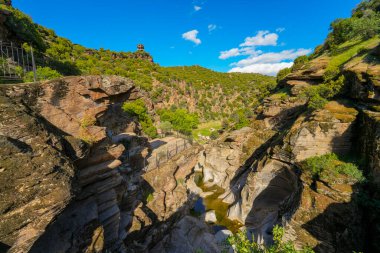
(280, 96)
(342, 111)
(204, 129)
(352, 48)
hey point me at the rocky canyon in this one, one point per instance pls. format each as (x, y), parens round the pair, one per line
(107, 153)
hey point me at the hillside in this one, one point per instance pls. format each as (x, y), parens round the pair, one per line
(193, 88)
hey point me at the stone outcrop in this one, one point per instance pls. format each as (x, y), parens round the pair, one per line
(167, 196)
(325, 131)
(370, 142)
(266, 185)
(36, 175)
(77, 163)
(328, 217)
(190, 235)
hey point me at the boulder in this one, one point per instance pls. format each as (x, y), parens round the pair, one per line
(210, 217)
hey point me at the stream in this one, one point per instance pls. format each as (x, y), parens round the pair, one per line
(213, 202)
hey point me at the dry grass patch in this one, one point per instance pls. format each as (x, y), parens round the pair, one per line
(341, 111)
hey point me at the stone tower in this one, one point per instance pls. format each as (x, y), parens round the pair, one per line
(140, 47)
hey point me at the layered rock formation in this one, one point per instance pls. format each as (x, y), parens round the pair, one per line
(265, 184)
(72, 166)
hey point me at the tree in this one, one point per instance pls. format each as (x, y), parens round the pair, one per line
(138, 109)
(282, 74)
(181, 120)
(43, 73)
(166, 127)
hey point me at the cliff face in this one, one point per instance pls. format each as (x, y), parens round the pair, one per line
(269, 186)
(37, 176)
(72, 170)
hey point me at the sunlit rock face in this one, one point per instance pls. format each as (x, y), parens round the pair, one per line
(266, 184)
(84, 172)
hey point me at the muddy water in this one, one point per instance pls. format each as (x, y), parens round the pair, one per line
(212, 202)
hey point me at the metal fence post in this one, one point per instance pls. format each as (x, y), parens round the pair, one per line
(2, 58)
(34, 65)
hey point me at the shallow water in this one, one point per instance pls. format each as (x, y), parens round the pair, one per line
(212, 202)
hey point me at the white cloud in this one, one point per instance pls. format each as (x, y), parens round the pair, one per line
(257, 61)
(192, 36)
(262, 38)
(280, 29)
(263, 68)
(212, 27)
(239, 51)
(272, 57)
(229, 53)
(197, 8)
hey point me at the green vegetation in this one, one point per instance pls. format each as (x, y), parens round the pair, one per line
(363, 25)
(149, 198)
(241, 244)
(84, 133)
(207, 129)
(138, 109)
(240, 119)
(318, 96)
(216, 95)
(283, 73)
(87, 121)
(348, 50)
(326, 167)
(181, 120)
(165, 127)
(43, 73)
(300, 62)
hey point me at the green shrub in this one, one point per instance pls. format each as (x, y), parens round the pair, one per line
(138, 109)
(214, 135)
(87, 120)
(241, 244)
(181, 120)
(319, 95)
(299, 62)
(43, 73)
(166, 127)
(282, 74)
(326, 166)
(351, 170)
(149, 197)
(240, 119)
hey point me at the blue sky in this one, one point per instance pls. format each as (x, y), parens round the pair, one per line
(240, 35)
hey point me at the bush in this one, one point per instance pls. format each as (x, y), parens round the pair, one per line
(299, 62)
(326, 166)
(240, 119)
(166, 127)
(87, 120)
(282, 74)
(241, 244)
(137, 109)
(214, 135)
(43, 73)
(319, 95)
(181, 120)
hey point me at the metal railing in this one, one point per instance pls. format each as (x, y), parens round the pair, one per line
(163, 156)
(15, 61)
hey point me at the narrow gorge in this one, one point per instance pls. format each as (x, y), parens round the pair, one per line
(119, 162)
